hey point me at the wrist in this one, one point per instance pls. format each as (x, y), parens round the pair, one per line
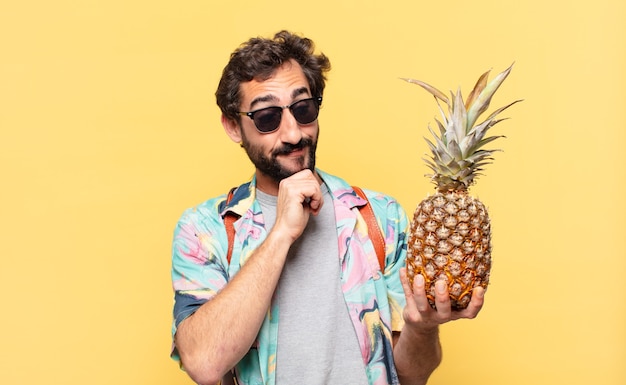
(279, 240)
(421, 332)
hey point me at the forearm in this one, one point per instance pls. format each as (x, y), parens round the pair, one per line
(417, 354)
(221, 331)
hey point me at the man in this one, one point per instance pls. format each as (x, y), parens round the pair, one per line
(303, 299)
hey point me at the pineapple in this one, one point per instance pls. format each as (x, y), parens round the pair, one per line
(450, 234)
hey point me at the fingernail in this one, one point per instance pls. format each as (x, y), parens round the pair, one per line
(419, 280)
(441, 287)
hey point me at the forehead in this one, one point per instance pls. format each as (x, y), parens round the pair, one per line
(287, 82)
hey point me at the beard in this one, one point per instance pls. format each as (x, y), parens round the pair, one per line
(271, 166)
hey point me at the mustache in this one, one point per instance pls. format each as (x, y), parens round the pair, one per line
(287, 148)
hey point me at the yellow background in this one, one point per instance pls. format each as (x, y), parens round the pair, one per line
(109, 130)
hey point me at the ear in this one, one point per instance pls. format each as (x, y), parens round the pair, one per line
(232, 128)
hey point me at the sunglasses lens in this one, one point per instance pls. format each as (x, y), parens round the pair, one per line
(267, 119)
(305, 111)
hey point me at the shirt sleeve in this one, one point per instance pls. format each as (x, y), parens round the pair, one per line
(198, 262)
(395, 240)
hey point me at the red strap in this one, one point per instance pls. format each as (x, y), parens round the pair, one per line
(375, 235)
(366, 211)
(229, 223)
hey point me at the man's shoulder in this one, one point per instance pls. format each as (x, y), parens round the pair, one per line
(206, 211)
(337, 184)
(216, 207)
(374, 195)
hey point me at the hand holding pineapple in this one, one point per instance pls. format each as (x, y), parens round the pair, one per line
(450, 235)
(417, 350)
(418, 311)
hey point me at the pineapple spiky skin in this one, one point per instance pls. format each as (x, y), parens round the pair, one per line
(450, 240)
(450, 234)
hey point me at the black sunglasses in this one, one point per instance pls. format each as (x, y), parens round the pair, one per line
(268, 119)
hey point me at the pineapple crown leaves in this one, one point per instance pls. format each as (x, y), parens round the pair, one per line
(457, 151)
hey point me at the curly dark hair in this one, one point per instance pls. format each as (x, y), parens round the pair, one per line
(258, 58)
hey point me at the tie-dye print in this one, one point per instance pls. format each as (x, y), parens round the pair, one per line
(375, 300)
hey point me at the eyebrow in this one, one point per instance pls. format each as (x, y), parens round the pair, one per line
(270, 98)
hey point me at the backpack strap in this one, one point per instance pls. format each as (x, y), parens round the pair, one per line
(229, 223)
(366, 212)
(374, 231)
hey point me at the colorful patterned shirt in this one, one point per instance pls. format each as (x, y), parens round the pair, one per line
(375, 299)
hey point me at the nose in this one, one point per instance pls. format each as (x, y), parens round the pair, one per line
(289, 128)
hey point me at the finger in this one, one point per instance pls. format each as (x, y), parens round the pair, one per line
(442, 299)
(419, 294)
(308, 184)
(476, 303)
(302, 174)
(316, 201)
(408, 293)
(302, 186)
